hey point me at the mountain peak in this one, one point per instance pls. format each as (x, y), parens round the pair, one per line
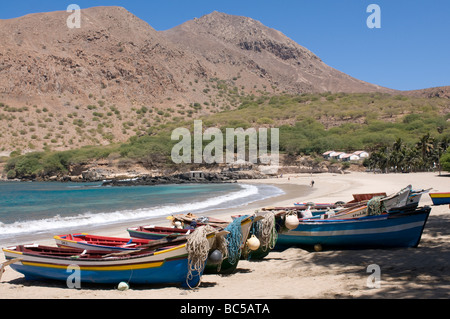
(230, 27)
(117, 65)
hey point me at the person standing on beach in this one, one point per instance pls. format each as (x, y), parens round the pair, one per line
(312, 183)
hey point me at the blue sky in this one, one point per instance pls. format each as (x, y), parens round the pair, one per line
(410, 51)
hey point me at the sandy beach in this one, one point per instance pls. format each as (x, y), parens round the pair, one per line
(295, 273)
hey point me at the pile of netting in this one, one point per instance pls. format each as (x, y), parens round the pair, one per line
(198, 248)
(265, 231)
(375, 206)
(234, 240)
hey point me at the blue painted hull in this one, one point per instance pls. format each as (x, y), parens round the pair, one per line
(149, 236)
(173, 272)
(391, 230)
(165, 267)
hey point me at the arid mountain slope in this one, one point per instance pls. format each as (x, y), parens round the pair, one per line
(265, 55)
(116, 76)
(440, 91)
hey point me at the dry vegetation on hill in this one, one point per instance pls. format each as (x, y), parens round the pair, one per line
(115, 88)
(116, 76)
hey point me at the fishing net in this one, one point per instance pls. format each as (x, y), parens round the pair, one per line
(234, 240)
(198, 248)
(221, 244)
(375, 206)
(266, 232)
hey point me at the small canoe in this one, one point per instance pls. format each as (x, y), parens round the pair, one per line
(191, 221)
(357, 200)
(440, 198)
(364, 198)
(388, 230)
(99, 243)
(166, 266)
(156, 232)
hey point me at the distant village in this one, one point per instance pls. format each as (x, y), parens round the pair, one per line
(345, 157)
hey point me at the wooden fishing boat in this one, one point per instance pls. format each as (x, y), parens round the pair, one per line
(239, 230)
(398, 200)
(187, 223)
(264, 229)
(192, 221)
(163, 265)
(348, 213)
(318, 206)
(413, 199)
(152, 232)
(440, 198)
(364, 198)
(99, 243)
(403, 229)
(395, 200)
(405, 199)
(358, 199)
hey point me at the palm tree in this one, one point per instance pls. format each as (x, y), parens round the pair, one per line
(426, 146)
(440, 149)
(412, 159)
(396, 157)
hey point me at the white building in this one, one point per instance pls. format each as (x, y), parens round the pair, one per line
(361, 154)
(326, 155)
(336, 155)
(350, 158)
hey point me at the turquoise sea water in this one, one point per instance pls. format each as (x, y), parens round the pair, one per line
(28, 208)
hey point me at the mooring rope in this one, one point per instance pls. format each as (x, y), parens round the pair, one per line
(197, 247)
(265, 230)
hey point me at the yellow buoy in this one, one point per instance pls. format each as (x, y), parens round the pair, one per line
(318, 247)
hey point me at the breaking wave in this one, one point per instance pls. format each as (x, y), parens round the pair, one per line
(247, 194)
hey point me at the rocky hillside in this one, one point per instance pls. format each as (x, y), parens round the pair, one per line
(441, 91)
(116, 76)
(261, 56)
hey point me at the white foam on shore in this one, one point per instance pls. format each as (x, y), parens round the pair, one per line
(247, 194)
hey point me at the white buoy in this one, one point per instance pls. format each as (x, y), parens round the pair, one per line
(291, 222)
(178, 225)
(253, 243)
(123, 286)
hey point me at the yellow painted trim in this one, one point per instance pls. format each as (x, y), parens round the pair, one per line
(96, 268)
(178, 247)
(58, 237)
(437, 195)
(66, 240)
(170, 249)
(245, 222)
(12, 251)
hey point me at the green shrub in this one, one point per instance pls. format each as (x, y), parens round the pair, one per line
(11, 174)
(445, 161)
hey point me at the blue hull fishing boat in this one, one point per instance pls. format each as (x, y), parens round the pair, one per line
(169, 264)
(41, 263)
(387, 230)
